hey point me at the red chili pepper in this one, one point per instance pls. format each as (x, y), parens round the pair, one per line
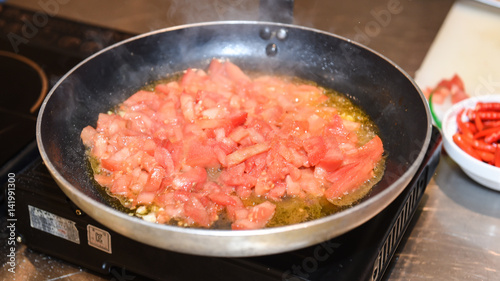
(480, 135)
(497, 157)
(462, 127)
(484, 115)
(459, 140)
(488, 106)
(478, 123)
(479, 144)
(471, 126)
(487, 157)
(491, 124)
(486, 132)
(493, 137)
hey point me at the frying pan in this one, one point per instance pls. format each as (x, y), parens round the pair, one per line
(107, 78)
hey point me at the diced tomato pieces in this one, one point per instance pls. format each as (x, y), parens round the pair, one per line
(263, 185)
(332, 159)
(235, 73)
(238, 118)
(292, 188)
(208, 142)
(277, 192)
(246, 152)
(223, 199)
(352, 175)
(146, 198)
(316, 124)
(163, 157)
(149, 146)
(238, 134)
(195, 210)
(258, 217)
(155, 178)
(238, 212)
(315, 148)
(453, 87)
(370, 152)
(201, 155)
(100, 147)
(189, 179)
(87, 136)
(143, 99)
(292, 153)
(120, 185)
(117, 161)
(310, 184)
(104, 180)
(111, 165)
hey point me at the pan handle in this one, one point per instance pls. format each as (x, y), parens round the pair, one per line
(276, 11)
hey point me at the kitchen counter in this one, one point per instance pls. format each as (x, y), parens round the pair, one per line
(455, 234)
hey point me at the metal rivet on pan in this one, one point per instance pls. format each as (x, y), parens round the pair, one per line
(271, 49)
(265, 33)
(282, 34)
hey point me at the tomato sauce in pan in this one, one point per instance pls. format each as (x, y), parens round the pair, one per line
(222, 149)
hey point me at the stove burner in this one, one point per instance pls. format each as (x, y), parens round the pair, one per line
(24, 85)
(21, 76)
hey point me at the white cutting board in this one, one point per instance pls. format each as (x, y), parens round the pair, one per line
(467, 44)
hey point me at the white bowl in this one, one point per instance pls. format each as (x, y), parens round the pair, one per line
(480, 172)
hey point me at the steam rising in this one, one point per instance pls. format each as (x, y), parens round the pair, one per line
(183, 12)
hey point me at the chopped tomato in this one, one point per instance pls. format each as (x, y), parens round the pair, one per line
(201, 155)
(163, 157)
(246, 152)
(332, 159)
(87, 136)
(210, 141)
(355, 172)
(315, 148)
(257, 217)
(235, 73)
(189, 179)
(195, 210)
(146, 198)
(453, 87)
(155, 178)
(104, 180)
(223, 199)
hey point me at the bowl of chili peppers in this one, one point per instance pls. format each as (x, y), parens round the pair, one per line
(471, 137)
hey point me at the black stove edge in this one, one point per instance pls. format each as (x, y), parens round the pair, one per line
(402, 222)
(18, 163)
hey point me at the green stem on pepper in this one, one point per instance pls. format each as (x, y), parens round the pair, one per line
(434, 116)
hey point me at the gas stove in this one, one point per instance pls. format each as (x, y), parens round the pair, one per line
(48, 222)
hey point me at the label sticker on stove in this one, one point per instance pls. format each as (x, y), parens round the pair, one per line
(99, 238)
(53, 224)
